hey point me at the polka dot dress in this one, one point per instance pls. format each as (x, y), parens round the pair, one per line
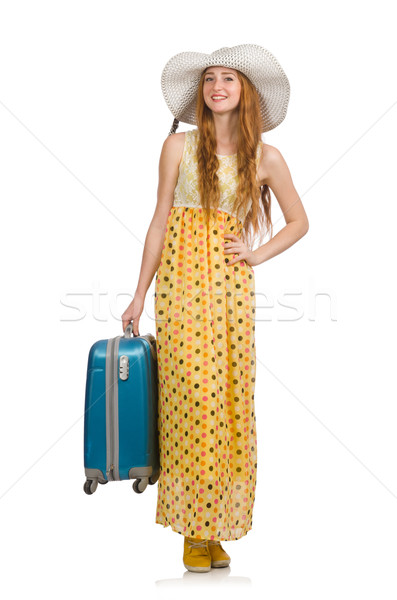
(205, 331)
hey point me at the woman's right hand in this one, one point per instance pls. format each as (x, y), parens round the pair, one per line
(133, 313)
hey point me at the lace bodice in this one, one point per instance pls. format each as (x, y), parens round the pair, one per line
(186, 191)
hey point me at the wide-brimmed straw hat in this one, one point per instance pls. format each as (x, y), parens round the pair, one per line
(181, 76)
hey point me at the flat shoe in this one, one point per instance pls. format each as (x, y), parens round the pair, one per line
(196, 555)
(219, 558)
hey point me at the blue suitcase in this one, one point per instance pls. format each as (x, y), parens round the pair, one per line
(121, 412)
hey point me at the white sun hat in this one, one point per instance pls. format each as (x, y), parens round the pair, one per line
(181, 76)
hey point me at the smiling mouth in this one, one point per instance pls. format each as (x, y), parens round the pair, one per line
(218, 98)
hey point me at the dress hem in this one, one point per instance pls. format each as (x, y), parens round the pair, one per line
(213, 537)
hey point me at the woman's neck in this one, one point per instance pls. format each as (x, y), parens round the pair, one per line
(226, 129)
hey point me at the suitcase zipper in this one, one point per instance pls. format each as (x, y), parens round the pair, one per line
(109, 395)
(112, 439)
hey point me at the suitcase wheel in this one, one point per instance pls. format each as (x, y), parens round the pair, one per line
(140, 485)
(90, 485)
(153, 478)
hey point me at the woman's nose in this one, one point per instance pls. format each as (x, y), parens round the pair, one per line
(217, 86)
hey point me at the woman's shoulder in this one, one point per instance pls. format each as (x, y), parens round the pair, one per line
(174, 144)
(181, 141)
(270, 153)
(175, 139)
(178, 145)
(270, 159)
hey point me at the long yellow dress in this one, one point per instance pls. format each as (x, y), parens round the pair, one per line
(205, 332)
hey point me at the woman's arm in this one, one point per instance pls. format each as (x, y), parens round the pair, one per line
(170, 159)
(278, 177)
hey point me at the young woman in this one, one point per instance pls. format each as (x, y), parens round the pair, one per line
(213, 199)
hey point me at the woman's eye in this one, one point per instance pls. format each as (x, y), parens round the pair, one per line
(207, 78)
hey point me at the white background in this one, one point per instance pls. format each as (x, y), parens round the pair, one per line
(82, 121)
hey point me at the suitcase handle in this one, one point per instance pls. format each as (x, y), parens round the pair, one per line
(128, 331)
(149, 337)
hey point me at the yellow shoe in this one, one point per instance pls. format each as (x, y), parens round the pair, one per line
(219, 558)
(196, 556)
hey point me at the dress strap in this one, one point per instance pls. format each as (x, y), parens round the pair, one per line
(192, 140)
(189, 146)
(259, 151)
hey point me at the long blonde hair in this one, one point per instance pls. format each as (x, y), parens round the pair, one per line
(258, 218)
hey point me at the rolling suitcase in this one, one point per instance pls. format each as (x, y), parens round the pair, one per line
(121, 412)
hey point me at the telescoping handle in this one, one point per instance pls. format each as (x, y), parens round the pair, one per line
(149, 337)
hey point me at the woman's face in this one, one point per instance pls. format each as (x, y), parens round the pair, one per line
(221, 89)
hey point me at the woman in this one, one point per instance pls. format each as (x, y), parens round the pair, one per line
(213, 198)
